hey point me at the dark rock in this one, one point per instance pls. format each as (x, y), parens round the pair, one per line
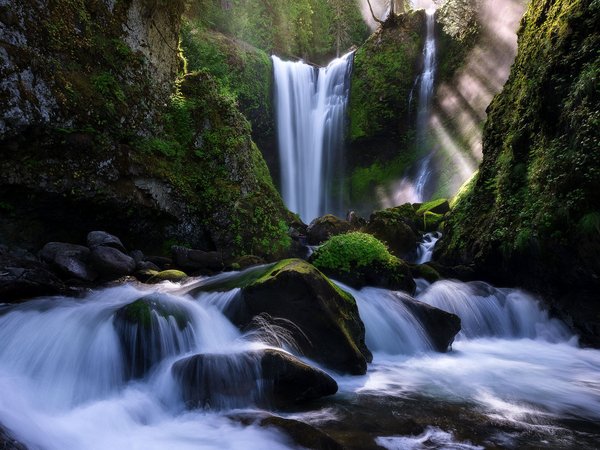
(7, 442)
(425, 271)
(322, 228)
(151, 329)
(137, 255)
(302, 434)
(266, 377)
(396, 230)
(441, 326)
(22, 279)
(197, 260)
(146, 265)
(69, 260)
(110, 262)
(104, 239)
(162, 262)
(243, 262)
(327, 327)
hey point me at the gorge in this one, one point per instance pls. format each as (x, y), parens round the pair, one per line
(256, 224)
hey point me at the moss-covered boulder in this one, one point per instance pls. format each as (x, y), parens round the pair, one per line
(322, 228)
(150, 329)
(266, 378)
(167, 275)
(397, 227)
(323, 320)
(530, 217)
(359, 260)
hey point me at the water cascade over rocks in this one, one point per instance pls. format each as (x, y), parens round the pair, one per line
(311, 118)
(66, 378)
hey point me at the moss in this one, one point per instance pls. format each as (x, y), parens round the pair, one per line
(140, 311)
(426, 272)
(432, 205)
(349, 251)
(167, 275)
(384, 71)
(539, 181)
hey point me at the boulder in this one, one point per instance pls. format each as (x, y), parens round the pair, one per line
(104, 239)
(150, 329)
(245, 261)
(162, 262)
(425, 271)
(111, 263)
(441, 326)
(326, 324)
(438, 206)
(359, 259)
(167, 275)
(146, 265)
(197, 260)
(69, 260)
(393, 227)
(23, 278)
(263, 377)
(322, 228)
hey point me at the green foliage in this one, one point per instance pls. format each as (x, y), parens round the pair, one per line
(459, 18)
(538, 186)
(304, 28)
(346, 252)
(383, 76)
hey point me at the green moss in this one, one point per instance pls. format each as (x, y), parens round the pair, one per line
(346, 252)
(167, 275)
(431, 205)
(140, 311)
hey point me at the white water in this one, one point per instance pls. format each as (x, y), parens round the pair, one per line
(63, 383)
(426, 247)
(311, 118)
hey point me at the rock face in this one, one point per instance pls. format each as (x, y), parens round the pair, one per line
(322, 228)
(151, 329)
(95, 135)
(530, 217)
(267, 377)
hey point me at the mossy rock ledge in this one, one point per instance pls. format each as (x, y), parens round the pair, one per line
(326, 325)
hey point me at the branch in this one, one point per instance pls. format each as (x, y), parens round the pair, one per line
(373, 14)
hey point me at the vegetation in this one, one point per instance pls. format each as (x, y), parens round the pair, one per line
(312, 29)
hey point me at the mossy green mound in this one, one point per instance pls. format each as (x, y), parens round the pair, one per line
(360, 259)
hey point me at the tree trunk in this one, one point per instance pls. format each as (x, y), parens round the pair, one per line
(373, 14)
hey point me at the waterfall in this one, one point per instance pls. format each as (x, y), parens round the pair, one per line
(311, 119)
(426, 246)
(427, 78)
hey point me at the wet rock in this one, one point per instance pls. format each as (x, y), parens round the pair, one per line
(322, 228)
(151, 329)
(162, 262)
(426, 272)
(104, 239)
(395, 229)
(441, 326)
(7, 442)
(326, 324)
(302, 434)
(69, 260)
(197, 260)
(146, 265)
(111, 263)
(266, 377)
(243, 262)
(137, 255)
(24, 278)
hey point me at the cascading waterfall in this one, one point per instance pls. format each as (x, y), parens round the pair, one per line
(427, 78)
(311, 119)
(64, 381)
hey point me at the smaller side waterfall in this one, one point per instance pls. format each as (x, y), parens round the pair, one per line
(311, 118)
(426, 246)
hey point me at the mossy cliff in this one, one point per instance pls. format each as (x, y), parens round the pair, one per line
(531, 216)
(97, 132)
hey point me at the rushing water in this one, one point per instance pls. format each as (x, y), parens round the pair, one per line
(311, 118)
(426, 246)
(515, 378)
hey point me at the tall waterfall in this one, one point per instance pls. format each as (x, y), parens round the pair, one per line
(424, 110)
(311, 118)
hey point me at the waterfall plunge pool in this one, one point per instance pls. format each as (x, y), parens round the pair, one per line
(515, 378)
